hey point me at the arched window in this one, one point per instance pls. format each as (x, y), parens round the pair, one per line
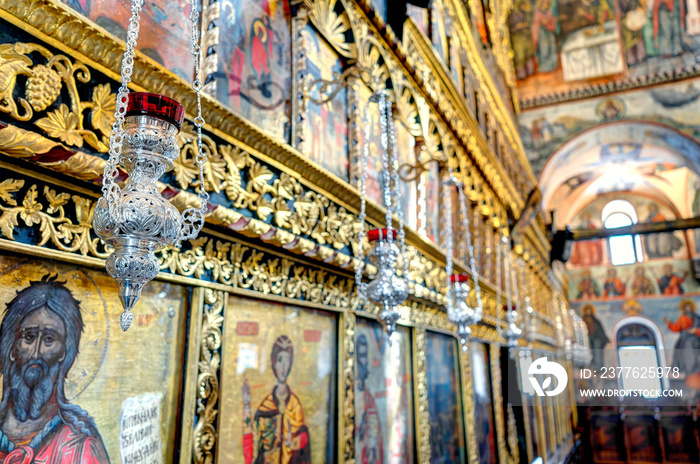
(623, 249)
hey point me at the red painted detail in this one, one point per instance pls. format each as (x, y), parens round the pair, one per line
(246, 328)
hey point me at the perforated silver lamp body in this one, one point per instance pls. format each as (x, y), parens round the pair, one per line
(136, 220)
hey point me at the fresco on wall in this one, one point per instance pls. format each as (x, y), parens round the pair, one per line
(558, 43)
(164, 34)
(483, 403)
(254, 62)
(383, 395)
(65, 401)
(589, 253)
(444, 404)
(676, 106)
(677, 319)
(278, 378)
(326, 133)
(658, 278)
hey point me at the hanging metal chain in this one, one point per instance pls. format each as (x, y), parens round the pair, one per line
(515, 270)
(110, 190)
(386, 177)
(449, 242)
(193, 218)
(394, 169)
(508, 272)
(500, 264)
(362, 287)
(464, 212)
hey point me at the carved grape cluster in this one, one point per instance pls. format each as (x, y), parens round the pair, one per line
(43, 87)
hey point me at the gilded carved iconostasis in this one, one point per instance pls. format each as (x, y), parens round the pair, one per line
(251, 344)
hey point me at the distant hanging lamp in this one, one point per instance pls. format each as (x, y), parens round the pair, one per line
(135, 219)
(459, 312)
(387, 290)
(513, 333)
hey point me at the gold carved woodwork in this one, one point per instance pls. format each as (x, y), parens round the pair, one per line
(43, 87)
(347, 381)
(324, 208)
(205, 432)
(469, 407)
(273, 148)
(422, 408)
(497, 392)
(48, 212)
(513, 450)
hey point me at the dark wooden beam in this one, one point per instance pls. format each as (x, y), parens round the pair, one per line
(638, 229)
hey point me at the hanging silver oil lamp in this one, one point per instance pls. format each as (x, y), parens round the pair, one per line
(135, 219)
(459, 312)
(386, 289)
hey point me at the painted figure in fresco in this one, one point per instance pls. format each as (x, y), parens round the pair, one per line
(613, 285)
(597, 337)
(597, 12)
(663, 244)
(671, 283)
(641, 285)
(587, 287)
(521, 39)
(587, 252)
(39, 340)
(545, 28)
(368, 433)
(685, 351)
(696, 213)
(277, 434)
(634, 14)
(668, 19)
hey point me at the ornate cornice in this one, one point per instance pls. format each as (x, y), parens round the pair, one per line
(586, 90)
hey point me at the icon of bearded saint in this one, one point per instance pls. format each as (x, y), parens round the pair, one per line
(39, 339)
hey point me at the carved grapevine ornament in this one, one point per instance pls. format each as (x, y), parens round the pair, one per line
(135, 219)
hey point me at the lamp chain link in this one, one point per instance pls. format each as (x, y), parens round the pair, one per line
(394, 169)
(449, 242)
(110, 190)
(500, 264)
(362, 287)
(464, 212)
(193, 218)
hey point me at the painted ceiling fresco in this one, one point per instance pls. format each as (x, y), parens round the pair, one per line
(645, 158)
(674, 106)
(560, 46)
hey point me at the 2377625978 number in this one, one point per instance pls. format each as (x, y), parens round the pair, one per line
(637, 372)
